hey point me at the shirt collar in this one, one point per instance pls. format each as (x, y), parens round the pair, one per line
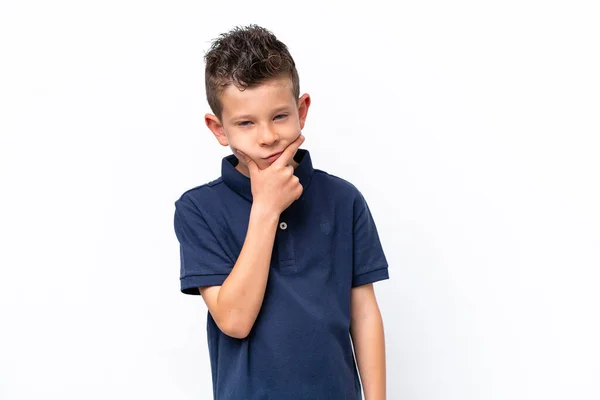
(241, 183)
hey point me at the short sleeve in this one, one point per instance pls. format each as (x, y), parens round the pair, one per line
(369, 261)
(203, 260)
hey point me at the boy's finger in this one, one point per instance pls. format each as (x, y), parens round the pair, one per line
(252, 167)
(289, 152)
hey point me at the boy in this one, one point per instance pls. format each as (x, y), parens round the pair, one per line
(284, 255)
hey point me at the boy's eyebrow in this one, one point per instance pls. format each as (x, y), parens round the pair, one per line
(248, 116)
(243, 116)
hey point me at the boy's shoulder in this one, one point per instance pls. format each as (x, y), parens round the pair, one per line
(204, 187)
(335, 183)
(200, 192)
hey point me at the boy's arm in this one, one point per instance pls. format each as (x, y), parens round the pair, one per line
(366, 329)
(235, 304)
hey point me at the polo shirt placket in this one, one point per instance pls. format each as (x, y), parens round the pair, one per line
(284, 247)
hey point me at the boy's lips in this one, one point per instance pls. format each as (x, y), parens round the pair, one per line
(273, 157)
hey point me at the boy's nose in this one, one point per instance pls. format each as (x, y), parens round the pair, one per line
(268, 136)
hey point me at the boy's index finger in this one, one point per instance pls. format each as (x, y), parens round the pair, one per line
(289, 152)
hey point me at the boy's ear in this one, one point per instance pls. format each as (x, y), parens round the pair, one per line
(303, 104)
(213, 123)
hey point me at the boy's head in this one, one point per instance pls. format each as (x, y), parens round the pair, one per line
(246, 57)
(253, 89)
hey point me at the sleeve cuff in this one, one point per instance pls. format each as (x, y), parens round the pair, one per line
(190, 284)
(370, 277)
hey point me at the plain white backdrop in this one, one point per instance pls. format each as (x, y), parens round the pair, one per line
(472, 129)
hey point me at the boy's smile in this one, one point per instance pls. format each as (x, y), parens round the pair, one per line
(260, 121)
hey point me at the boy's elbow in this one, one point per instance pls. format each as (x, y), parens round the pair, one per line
(235, 328)
(230, 320)
(236, 332)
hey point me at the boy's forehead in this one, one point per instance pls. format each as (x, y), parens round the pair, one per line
(274, 93)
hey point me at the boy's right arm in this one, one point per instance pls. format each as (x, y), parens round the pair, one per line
(236, 303)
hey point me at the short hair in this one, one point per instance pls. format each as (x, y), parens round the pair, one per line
(246, 57)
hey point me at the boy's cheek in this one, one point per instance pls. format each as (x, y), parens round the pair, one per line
(235, 151)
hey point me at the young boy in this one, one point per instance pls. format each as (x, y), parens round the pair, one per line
(284, 255)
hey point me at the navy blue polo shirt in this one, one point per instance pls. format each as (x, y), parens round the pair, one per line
(326, 243)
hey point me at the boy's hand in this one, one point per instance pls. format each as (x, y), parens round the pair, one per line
(275, 187)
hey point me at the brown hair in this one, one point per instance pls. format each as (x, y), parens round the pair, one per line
(246, 57)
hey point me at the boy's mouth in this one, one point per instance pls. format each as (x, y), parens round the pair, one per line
(273, 157)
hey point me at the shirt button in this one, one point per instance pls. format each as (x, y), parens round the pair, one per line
(283, 226)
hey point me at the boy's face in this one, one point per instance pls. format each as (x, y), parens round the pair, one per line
(259, 121)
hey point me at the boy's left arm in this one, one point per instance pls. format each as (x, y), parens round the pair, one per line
(366, 329)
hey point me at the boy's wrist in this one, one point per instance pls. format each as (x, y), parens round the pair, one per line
(263, 211)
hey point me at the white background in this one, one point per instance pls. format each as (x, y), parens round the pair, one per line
(472, 129)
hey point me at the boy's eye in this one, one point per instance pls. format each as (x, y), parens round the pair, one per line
(244, 123)
(280, 116)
